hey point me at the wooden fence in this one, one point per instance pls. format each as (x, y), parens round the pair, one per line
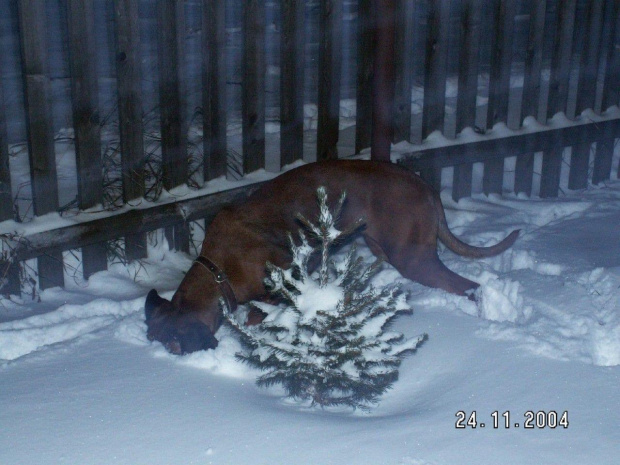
(567, 52)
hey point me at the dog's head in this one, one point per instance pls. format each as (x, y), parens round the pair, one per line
(180, 333)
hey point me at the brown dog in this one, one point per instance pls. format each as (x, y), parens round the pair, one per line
(403, 216)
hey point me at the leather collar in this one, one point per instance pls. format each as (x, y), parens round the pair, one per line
(222, 281)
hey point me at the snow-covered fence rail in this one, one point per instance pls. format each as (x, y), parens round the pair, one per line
(167, 94)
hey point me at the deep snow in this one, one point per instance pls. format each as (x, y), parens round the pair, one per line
(80, 384)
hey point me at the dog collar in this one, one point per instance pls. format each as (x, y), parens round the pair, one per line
(222, 281)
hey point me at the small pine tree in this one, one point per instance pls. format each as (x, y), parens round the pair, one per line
(326, 341)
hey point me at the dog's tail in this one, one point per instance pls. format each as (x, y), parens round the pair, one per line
(465, 250)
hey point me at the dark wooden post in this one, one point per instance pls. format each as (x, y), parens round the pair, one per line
(530, 103)
(501, 61)
(9, 270)
(590, 49)
(533, 61)
(6, 193)
(214, 87)
(560, 64)
(365, 53)
(131, 128)
(403, 64)
(292, 82)
(435, 65)
(469, 53)
(558, 93)
(499, 86)
(587, 41)
(383, 81)
(85, 103)
(253, 92)
(611, 83)
(172, 106)
(32, 25)
(330, 57)
(611, 91)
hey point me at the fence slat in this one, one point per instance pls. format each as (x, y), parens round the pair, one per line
(6, 193)
(50, 268)
(330, 58)
(550, 175)
(603, 160)
(38, 107)
(579, 162)
(32, 22)
(383, 82)
(611, 83)
(171, 92)
(501, 61)
(9, 274)
(462, 181)
(469, 53)
(499, 85)
(436, 59)
(524, 173)
(253, 104)
(214, 87)
(365, 53)
(85, 106)
(131, 127)
(561, 58)
(85, 102)
(403, 64)
(172, 107)
(9, 270)
(530, 103)
(588, 69)
(292, 82)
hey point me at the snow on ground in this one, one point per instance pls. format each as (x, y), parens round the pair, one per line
(80, 384)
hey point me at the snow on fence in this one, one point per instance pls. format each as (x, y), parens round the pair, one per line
(473, 81)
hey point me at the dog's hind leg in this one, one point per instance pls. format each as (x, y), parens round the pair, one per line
(423, 266)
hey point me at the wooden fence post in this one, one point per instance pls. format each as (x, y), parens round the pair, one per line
(403, 63)
(85, 104)
(330, 57)
(9, 270)
(253, 92)
(611, 83)
(603, 159)
(469, 53)
(501, 60)
(588, 68)
(560, 64)
(6, 193)
(172, 106)
(435, 67)
(292, 82)
(383, 81)
(558, 93)
(530, 101)
(214, 88)
(32, 28)
(365, 54)
(499, 86)
(131, 128)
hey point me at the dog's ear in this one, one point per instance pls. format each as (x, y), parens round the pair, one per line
(153, 301)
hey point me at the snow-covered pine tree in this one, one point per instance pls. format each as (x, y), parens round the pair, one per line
(326, 341)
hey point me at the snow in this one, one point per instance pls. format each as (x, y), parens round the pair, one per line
(81, 383)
